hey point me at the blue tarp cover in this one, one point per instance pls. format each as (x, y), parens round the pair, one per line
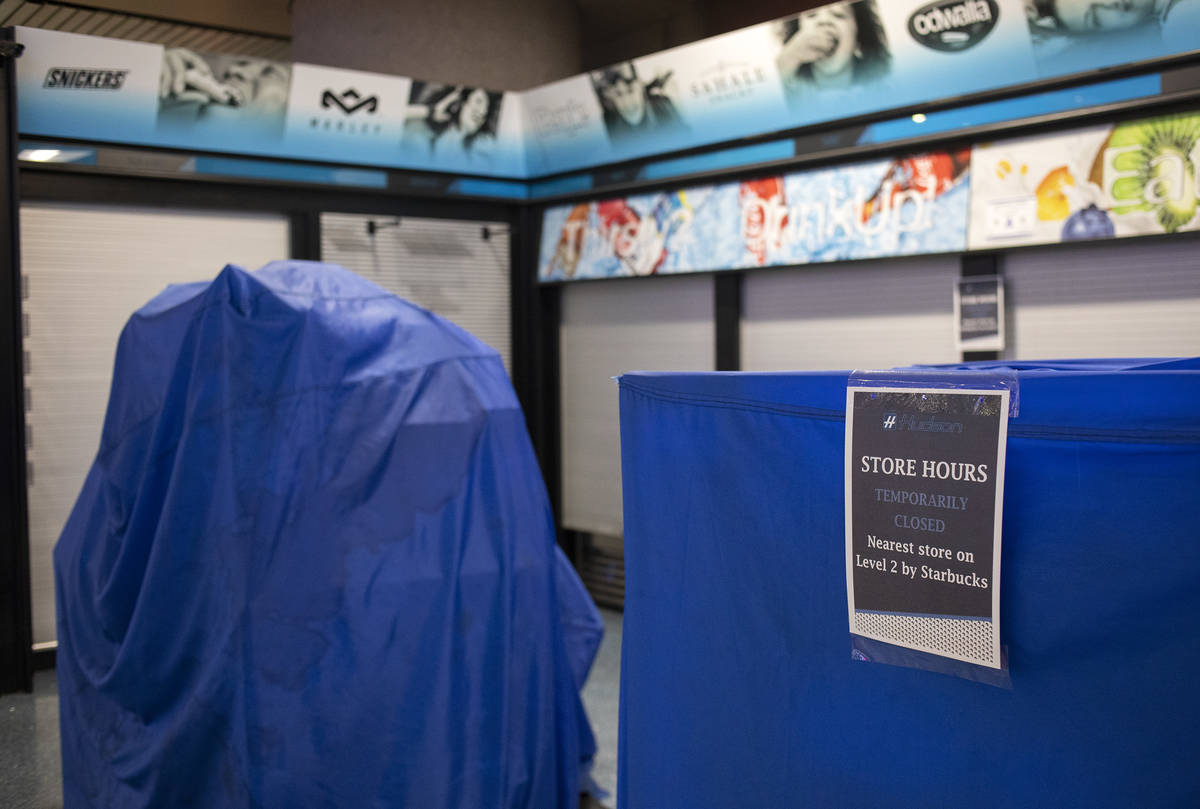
(737, 684)
(314, 565)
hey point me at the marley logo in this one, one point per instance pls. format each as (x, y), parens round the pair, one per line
(349, 101)
(953, 25)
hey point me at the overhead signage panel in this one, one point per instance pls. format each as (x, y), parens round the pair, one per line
(833, 62)
(890, 207)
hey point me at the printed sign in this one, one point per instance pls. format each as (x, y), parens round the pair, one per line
(835, 61)
(87, 87)
(830, 62)
(953, 25)
(881, 208)
(924, 496)
(1071, 36)
(1130, 179)
(979, 313)
(347, 111)
(78, 86)
(213, 97)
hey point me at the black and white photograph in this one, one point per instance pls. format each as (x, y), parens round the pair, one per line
(839, 46)
(1073, 35)
(199, 87)
(634, 104)
(453, 120)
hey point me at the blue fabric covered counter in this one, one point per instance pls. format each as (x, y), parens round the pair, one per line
(314, 565)
(737, 684)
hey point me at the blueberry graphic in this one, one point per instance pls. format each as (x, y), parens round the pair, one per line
(1088, 223)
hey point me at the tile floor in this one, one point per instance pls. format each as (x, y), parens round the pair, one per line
(30, 770)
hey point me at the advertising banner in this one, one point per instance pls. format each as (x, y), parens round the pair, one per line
(838, 61)
(1131, 179)
(1071, 36)
(71, 85)
(101, 89)
(833, 62)
(924, 495)
(879, 208)
(346, 112)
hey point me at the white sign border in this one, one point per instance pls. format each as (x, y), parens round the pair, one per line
(998, 517)
(992, 342)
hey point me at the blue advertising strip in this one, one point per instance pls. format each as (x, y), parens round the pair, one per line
(569, 184)
(839, 61)
(722, 159)
(1013, 109)
(290, 172)
(506, 189)
(835, 62)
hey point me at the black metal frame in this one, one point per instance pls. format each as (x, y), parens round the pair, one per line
(977, 264)
(727, 306)
(16, 626)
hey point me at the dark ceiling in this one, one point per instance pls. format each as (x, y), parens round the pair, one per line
(615, 30)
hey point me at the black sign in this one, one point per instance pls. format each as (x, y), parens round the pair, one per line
(82, 78)
(953, 25)
(979, 312)
(349, 101)
(924, 474)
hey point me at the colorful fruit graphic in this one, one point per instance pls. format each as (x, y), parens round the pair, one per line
(1151, 166)
(932, 174)
(1088, 223)
(1005, 168)
(570, 241)
(640, 242)
(764, 216)
(1052, 202)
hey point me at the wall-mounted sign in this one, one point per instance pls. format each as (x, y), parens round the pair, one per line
(1130, 179)
(924, 496)
(113, 90)
(1109, 181)
(840, 60)
(979, 313)
(835, 61)
(893, 207)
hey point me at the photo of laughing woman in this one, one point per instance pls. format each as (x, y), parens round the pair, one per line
(453, 120)
(1071, 35)
(633, 106)
(835, 47)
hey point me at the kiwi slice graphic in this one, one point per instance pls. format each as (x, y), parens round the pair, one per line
(1166, 145)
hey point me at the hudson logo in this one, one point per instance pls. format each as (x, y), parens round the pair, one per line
(348, 102)
(919, 423)
(953, 25)
(82, 78)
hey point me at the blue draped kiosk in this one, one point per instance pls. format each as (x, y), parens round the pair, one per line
(737, 684)
(314, 565)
